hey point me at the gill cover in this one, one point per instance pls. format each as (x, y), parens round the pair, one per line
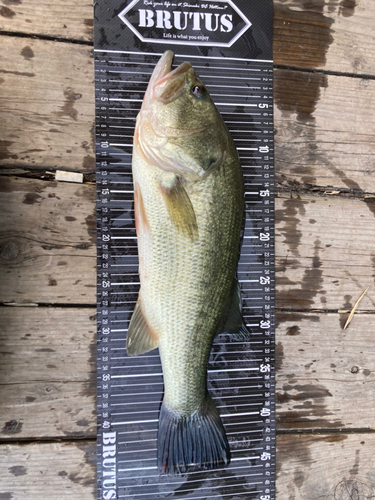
(178, 129)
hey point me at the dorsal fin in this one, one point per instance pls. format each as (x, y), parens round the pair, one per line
(141, 338)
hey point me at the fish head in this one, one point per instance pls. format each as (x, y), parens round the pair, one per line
(179, 128)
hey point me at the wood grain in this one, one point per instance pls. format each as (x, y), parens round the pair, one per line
(324, 123)
(48, 355)
(325, 130)
(47, 410)
(47, 372)
(334, 35)
(47, 242)
(47, 344)
(319, 366)
(339, 466)
(67, 19)
(325, 254)
(48, 470)
(46, 104)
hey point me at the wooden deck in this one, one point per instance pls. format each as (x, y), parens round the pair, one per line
(324, 53)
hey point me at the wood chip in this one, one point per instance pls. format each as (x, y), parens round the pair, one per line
(21, 304)
(62, 175)
(350, 317)
(331, 192)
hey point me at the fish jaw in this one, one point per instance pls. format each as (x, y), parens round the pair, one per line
(176, 131)
(162, 68)
(161, 75)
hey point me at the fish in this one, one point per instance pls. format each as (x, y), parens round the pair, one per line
(189, 216)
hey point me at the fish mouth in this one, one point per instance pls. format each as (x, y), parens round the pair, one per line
(164, 68)
(167, 84)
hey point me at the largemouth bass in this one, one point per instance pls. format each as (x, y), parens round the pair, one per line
(189, 210)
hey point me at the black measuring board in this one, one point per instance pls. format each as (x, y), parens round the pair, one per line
(236, 66)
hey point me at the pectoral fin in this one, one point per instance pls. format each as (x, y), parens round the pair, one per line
(141, 338)
(180, 209)
(235, 324)
(141, 220)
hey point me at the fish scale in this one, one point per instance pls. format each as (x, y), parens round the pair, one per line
(240, 374)
(180, 261)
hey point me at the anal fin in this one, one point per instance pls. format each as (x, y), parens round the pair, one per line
(141, 338)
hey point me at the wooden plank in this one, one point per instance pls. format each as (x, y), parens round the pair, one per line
(47, 372)
(324, 246)
(323, 123)
(335, 36)
(337, 466)
(49, 344)
(325, 127)
(61, 18)
(45, 410)
(47, 242)
(319, 365)
(324, 252)
(46, 104)
(48, 470)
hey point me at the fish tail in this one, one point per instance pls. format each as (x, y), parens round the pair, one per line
(198, 439)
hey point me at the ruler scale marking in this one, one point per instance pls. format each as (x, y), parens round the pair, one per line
(113, 282)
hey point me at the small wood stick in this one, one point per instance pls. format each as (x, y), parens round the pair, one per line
(350, 317)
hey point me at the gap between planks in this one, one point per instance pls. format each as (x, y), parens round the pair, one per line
(361, 76)
(91, 438)
(277, 309)
(48, 38)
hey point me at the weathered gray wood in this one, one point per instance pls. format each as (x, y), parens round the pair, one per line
(46, 104)
(48, 377)
(325, 130)
(324, 123)
(336, 36)
(48, 470)
(47, 344)
(339, 466)
(324, 246)
(45, 410)
(325, 252)
(47, 241)
(47, 372)
(61, 18)
(325, 376)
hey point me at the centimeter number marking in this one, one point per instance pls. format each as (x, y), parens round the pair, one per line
(240, 374)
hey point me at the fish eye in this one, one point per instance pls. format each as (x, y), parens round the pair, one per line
(197, 90)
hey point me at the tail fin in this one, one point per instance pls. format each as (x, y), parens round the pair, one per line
(198, 439)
